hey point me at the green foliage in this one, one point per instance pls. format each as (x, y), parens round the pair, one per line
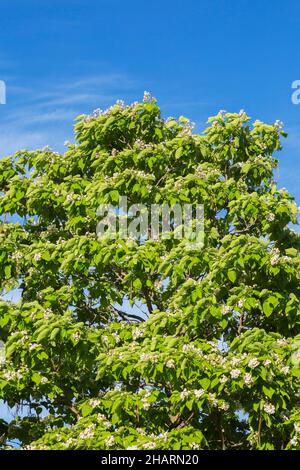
(216, 363)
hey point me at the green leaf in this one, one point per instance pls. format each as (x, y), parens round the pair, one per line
(205, 383)
(7, 272)
(231, 273)
(86, 410)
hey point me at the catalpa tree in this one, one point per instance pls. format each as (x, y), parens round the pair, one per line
(149, 344)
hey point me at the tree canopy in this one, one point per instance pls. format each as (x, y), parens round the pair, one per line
(123, 344)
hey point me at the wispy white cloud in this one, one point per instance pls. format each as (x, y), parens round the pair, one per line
(43, 115)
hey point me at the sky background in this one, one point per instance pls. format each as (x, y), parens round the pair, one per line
(61, 58)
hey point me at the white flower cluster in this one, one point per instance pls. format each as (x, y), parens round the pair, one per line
(94, 402)
(223, 379)
(120, 103)
(297, 427)
(149, 357)
(191, 348)
(184, 394)
(76, 336)
(294, 441)
(259, 158)
(48, 313)
(37, 256)
(17, 256)
(270, 217)
(69, 442)
(170, 364)
(149, 445)
(275, 256)
(253, 363)
(71, 197)
(199, 392)
(109, 441)
(285, 370)
(235, 373)
(194, 446)
(269, 408)
(278, 124)
(12, 375)
(225, 309)
(224, 406)
(116, 337)
(187, 128)
(281, 342)
(137, 333)
(248, 379)
(88, 433)
(145, 401)
(142, 145)
(148, 98)
(102, 419)
(212, 399)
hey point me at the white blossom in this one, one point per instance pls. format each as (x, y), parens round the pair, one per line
(120, 103)
(76, 336)
(147, 98)
(253, 363)
(235, 373)
(194, 446)
(278, 124)
(184, 394)
(137, 333)
(248, 379)
(70, 197)
(149, 445)
(88, 433)
(94, 402)
(97, 112)
(223, 379)
(269, 408)
(285, 370)
(225, 309)
(109, 441)
(69, 442)
(270, 217)
(224, 406)
(281, 342)
(199, 392)
(234, 361)
(294, 441)
(275, 256)
(170, 364)
(10, 375)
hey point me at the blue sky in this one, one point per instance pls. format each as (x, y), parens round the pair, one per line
(60, 58)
